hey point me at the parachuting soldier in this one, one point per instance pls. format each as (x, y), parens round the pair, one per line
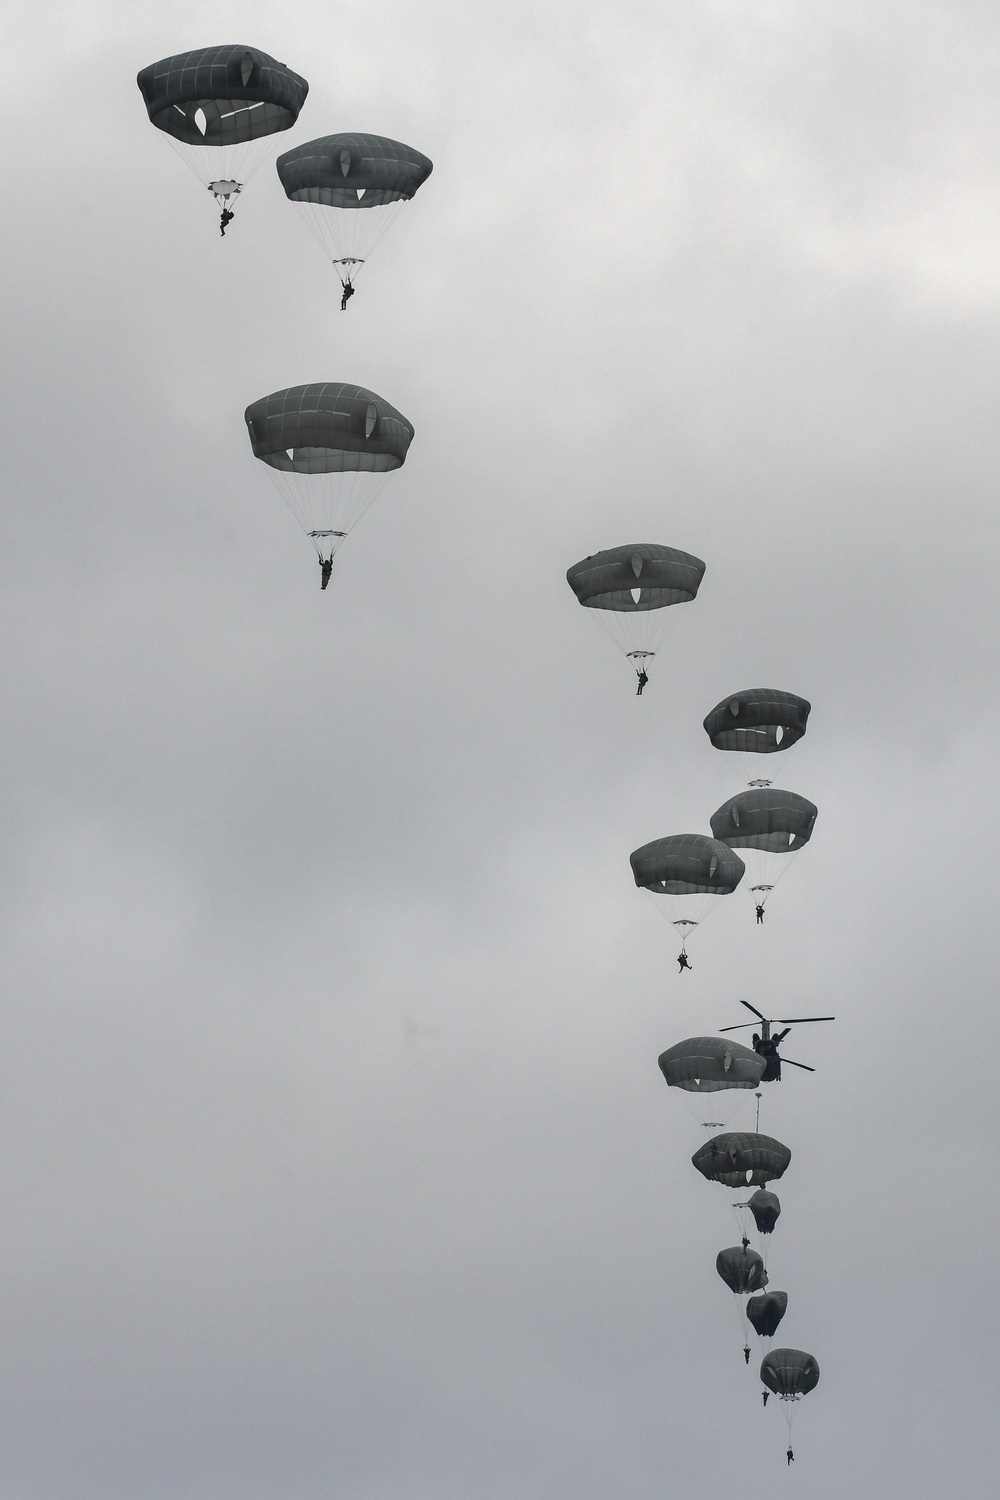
(790, 1374)
(216, 101)
(329, 447)
(350, 186)
(633, 587)
(768, 827)
(686, 874)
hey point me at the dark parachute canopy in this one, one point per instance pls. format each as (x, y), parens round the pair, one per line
(742, 1270)
(708, 1064)
(765, 818)
(686, 864)
(757, 722)
(351, 170)
(350, 187)
(217, 104)
(760, 1211)
(687, 874)
(242, 94)
(765, 1208)
(738, 1159)
(765, 1312)
(712, 1077)
(329, 448)
(632, 587)
(789, 1373)
(769, 826)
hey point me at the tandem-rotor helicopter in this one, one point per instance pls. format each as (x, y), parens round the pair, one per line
(766, 1045)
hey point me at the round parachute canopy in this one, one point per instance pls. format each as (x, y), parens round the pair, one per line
(686, 874)
(765, 1208)
(741, 1270)
(757, 722)
(329, 448)
(789, 1373)
(765, 1312)
(218, 104)
(632, 587)
(349, 188)
(712, 1077)
(738, 1159)
(768, 826)
(709, 1064)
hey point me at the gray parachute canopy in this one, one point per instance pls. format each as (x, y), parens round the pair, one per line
(242, 94)
(765, 818)
(741, 1270)
(740, 1158)
(683, 864)
(328, 428)
(351, 170)
(637, 577)
(789, 1372)
(765, 1208)
(766, 1311)
(761, 720)
(708, 1064)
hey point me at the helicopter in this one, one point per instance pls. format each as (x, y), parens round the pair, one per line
(766, 1045)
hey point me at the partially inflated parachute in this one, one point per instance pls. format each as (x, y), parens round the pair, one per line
(769, 827)
(687, 875)
(739, 1159)
(758, 1214)
(757, 722)
(765, 1312)
(765, 1207)
(329, 447)
(349, 189)
(712, 1076)
(632, 589)
(218, 105)
(743, 1271)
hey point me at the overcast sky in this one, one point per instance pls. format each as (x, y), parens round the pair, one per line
(334, 1157)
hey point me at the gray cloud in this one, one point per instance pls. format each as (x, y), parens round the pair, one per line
(336, 1158)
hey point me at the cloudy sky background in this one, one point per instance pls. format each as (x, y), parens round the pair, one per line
(335, 1159)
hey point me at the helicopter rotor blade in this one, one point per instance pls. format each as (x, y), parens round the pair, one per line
(754, 1009)
(806, 1066)
(799, 1020)
(744, 1027)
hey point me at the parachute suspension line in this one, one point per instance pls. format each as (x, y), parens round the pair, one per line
(236, 162)
(757, 1126)
(349, 234)
(328, 506)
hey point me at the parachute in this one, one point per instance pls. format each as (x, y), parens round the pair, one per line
(769, 827)
(790, 1374)
(743, 1271)
(713, 1077)
(755, 723)
(349, 188)
(632, 588)
(760, 1210)
(765, 1208)
(686, 874)
(739, 1159)
(765, 1312)
(218, 106)
(329, 448)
